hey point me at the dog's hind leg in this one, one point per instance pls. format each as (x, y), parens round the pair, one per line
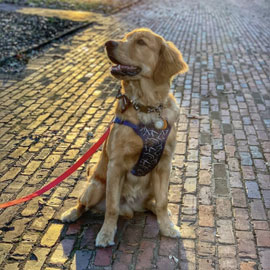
(73, 213)
(151, 206)
(91, 196)
(94, 191)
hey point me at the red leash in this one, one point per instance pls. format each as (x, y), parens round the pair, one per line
(63, 176)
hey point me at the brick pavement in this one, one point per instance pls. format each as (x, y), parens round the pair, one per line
(220, 186)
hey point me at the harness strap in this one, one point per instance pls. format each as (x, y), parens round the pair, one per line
(154, 141)
(117, 120)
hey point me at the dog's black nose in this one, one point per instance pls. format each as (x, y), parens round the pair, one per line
(111, 44)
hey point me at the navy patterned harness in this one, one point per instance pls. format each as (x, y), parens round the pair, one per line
(154, 141)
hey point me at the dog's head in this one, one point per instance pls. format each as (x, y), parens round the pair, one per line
(144, 54)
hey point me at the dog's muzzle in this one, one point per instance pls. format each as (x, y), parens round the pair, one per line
(120, 69)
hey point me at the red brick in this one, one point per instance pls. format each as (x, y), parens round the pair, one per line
(266, 198)
(175, 193)
(263, 238)
(248, 266)
(220, 156)
(190, 186)
(205, 195)
(122, 262)
(206, 216)
(240, 135)
(131, 238)
(235, 180)
(145, 256)
(264, 181)
(252, 140)
(226, 251)
(260, 165)
(264, 254)
(238, 198)
(241, 219)
(205, 248)
(246, 244)
(206, 264)
(260, 225)
(229, 139)
(262, 135)
(168, 246)
(223, 207)
(89, 236)
(225, 231)
(165, 263)
(248, 173)
(230, 150)
(103, 256)
(257, 210)
(204, 177)
(205, 163)
(233, 164)
(73, 228)
(180, 148)
(227, 264)
(206, 234)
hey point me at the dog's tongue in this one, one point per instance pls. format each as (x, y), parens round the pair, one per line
(124, 70)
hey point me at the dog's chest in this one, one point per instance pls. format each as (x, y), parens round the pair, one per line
(136, 190)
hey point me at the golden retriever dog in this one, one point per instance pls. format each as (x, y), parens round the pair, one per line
(125, 179)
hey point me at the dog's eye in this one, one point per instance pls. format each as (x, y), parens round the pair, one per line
(141, 42)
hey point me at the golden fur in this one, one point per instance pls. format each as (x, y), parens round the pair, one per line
(111, 183)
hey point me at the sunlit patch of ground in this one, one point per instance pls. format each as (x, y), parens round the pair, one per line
(106, 6)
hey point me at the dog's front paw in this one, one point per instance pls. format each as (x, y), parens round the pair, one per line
(70, 215)
(170, 231)
(105, 237)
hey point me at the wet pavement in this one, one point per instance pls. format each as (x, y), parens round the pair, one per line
(220, 185)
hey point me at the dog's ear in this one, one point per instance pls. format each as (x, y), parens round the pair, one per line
(170, 63)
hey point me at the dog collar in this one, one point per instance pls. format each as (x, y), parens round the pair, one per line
(126, 102)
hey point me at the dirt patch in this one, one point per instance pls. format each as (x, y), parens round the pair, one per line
(20, 32)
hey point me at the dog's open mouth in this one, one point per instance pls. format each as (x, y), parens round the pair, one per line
(123, 70)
